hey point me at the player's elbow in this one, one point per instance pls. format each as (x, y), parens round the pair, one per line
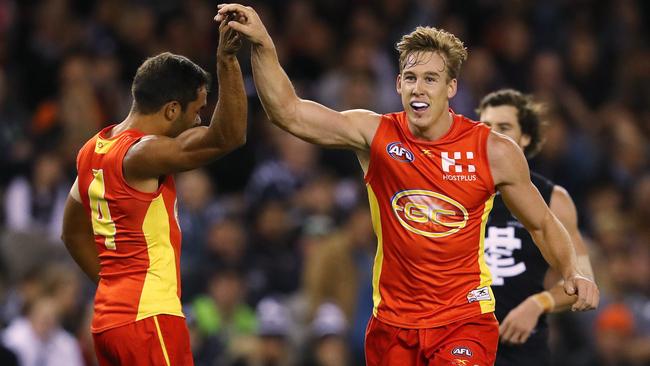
(233, 144)
(67, 240)
(285, 116)
(65, 236)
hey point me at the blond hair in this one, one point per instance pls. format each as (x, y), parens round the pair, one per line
(430, 39)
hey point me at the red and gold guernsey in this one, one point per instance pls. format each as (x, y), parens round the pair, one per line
(136, 233)
(429, 202)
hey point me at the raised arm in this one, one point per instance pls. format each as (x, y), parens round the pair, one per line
(305, 119)
(512, 178)
(78, 235)
(157, 155)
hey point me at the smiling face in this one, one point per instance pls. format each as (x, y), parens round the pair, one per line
(504, 119)
(425, 89)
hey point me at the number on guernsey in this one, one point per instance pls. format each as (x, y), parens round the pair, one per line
(101, 215)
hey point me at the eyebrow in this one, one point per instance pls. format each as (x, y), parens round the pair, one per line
(428, 73)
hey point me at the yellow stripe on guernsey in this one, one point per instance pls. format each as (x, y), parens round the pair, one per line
(159, 292)
(379, 257)
(103, 146)
(487, 306)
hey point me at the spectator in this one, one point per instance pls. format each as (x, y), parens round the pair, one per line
(223, 321)
(36, 202)
(329, 346)
(39, 339)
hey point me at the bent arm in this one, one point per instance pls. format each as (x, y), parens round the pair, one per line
(306, 119)
(155, 156)
(78, 235)
(512, 178)
(563, 207)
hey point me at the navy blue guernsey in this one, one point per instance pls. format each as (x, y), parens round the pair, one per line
(515, 262)
(518, 270)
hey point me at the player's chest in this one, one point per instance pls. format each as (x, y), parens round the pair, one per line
(453, 171)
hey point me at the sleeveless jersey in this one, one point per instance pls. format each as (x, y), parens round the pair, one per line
(517, 266)
(429, 203)
(136, 233)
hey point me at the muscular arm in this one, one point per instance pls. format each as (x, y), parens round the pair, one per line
(519, 323)
(305, 119)
(78, 235)
(512, 178)
(563, 207)
(154, 156)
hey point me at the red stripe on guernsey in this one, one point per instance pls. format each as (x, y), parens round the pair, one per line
(430, 201)
(136, 234)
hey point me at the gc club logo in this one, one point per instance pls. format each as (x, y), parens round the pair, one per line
(399, 152)
(428, 213)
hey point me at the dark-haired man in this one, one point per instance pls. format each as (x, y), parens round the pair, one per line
(124, 199)
(519, 271)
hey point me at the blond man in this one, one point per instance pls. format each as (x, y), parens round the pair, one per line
(431, 176)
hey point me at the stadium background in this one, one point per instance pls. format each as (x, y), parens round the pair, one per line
(279, 227)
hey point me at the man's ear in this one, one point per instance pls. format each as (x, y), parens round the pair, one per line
(452, 88)
(172, 110)
(524, 140)
(398, 84)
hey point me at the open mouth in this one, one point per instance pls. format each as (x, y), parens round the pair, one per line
(419, 106)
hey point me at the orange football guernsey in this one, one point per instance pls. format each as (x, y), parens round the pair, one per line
(137, 235)
(429, 202)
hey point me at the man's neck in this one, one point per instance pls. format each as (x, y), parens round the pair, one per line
(149, 124)
(435, 130)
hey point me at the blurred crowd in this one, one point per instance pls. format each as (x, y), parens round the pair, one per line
(277, 240)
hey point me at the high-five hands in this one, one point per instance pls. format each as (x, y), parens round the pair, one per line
(245, 21)
(229, 38)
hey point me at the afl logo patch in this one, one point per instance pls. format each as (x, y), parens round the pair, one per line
(462, 351)
(429, 214)
(400, 153)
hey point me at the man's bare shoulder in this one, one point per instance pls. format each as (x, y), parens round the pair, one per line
(148, 145)
(363, 114)
(563, 206)
(500, 146)
(366, 121)
(507, 161)
(145, 153)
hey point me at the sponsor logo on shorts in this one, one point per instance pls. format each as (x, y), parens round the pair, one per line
(398, 152)
(480, 294)
(428, 213)
(459, 362)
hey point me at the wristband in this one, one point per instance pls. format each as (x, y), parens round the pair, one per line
(545, 301)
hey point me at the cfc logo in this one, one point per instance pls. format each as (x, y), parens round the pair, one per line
(399, 152)
(427, 213)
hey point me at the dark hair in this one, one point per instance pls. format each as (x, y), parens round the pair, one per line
(528, 115)
(165, 78)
